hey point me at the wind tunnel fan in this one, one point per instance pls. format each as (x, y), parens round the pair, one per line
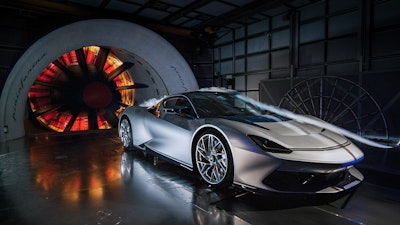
(338, 101)
(85, 89)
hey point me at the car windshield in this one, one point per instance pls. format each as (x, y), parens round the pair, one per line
(222, 104)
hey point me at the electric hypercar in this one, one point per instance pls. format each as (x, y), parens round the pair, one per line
(230, 141)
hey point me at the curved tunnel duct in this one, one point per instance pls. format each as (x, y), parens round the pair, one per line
(156, 63)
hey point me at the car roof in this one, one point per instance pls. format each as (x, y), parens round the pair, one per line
(227, 91)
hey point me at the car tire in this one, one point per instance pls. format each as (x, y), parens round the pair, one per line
(125, 133)
(212, 159)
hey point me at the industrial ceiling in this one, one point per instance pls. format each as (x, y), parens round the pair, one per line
(181, 17)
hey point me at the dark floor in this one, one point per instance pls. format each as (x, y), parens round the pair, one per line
(89, 179)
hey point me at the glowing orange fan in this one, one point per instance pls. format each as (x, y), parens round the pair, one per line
(85, 89)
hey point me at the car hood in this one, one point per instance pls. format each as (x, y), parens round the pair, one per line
(289, 133)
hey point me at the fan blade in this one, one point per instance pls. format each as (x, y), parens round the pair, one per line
(40, 112)
(135, 86)
(92, 118)
(63, 68)
(80, 55)
(101, 58)
(71, 122)
(50, 85)
(119, 70)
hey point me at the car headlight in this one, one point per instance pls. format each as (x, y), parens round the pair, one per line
(268, 146)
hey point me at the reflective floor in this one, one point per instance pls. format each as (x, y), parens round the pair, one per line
(89, 179)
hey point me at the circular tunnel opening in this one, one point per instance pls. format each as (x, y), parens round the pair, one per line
(84, 89)
(85, 82)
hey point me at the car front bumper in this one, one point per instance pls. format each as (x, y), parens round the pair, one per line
(257, 172)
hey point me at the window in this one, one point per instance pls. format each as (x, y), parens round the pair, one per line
(178, 106)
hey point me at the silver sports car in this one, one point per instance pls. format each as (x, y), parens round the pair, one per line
(228, 140)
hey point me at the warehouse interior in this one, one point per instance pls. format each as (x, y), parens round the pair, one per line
(61, 161)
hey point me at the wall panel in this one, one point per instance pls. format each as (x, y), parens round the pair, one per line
(312, 53)
(341, 69)
(226, 67)
(258, 27)
(253, 81)
(383, 43)
(386, 13)
(258, 44)
(312, 31)
(342, 49)
(240, 83)
(340, 5)
(239, 65)
(343, 24)
(239, 48)
(226, 51)
(280, 38)
(280, 59)
(311, 12)
(258, 62)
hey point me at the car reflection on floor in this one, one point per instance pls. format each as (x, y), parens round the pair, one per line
(172, 188)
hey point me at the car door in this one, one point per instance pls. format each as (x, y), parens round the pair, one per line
(172, 129)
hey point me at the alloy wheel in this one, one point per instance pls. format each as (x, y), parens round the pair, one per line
(211, 159)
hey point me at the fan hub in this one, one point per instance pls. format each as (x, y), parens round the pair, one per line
(97, 95)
